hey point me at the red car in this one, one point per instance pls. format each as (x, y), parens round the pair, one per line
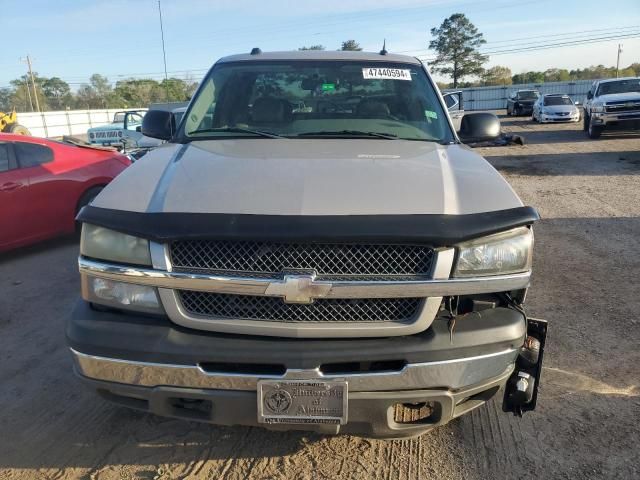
(44, 183)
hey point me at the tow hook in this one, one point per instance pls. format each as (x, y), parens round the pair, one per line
(521, 391)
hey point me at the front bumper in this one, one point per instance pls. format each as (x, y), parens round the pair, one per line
(559, 119)
(155, 365)
(624, 120)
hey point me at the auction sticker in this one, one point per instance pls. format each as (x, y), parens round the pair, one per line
(372, 73)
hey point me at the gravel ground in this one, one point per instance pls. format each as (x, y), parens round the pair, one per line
(586, 425)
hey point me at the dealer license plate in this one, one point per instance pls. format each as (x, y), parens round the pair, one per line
(302, 401)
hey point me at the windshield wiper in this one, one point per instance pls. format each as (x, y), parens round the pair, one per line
(355, 133)
(236, 130)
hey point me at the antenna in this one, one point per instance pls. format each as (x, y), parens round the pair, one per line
(384, 47)
(164, 54)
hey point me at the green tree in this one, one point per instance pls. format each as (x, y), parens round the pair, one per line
(313, 47)
(57, 92)
(351, 45)
(497, 75)
(457, 42)
(528, 77)
(140, 92)
(627, 72)
(23, 95)
(5, 99)
(556, 75)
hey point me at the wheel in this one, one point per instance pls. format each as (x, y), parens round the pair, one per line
(18, 129)
(533, 117)
(585, 122)
(88, 197)
(594, 131)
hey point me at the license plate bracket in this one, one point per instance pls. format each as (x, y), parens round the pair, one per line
(302, 402)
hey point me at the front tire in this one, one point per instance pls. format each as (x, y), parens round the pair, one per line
(86, 198)
(594, 131)
(585, 122)
(18, 129)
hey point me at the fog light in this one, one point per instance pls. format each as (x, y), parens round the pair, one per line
(121, 295)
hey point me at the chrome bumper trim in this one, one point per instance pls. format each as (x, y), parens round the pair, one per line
(335, 289)
(452, 374)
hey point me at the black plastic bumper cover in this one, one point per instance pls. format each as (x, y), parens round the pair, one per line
(158, 340)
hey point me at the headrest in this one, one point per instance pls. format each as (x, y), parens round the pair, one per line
(270, 110)
(373, 109)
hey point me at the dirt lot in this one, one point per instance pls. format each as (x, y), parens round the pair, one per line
(586, 284)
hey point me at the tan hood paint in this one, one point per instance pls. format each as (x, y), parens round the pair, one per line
(310, 177)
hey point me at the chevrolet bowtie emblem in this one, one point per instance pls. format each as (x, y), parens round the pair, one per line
(298, 289)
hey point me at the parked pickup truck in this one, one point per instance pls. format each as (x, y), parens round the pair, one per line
(612, 103)
(124, 130)
(349, 266)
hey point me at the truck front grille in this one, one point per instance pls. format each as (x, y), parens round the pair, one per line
(614, 107)
(327, 260)
(274, 309)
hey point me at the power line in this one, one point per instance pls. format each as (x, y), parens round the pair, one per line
(546, 46)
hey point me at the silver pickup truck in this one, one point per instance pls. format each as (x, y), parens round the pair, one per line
(613, 103)
(350, 266)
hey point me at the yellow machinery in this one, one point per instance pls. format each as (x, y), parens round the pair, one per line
(9, 124)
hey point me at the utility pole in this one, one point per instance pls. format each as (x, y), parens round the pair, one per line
(164, 54)
(26, 85)
(618, 62)
(33, 84)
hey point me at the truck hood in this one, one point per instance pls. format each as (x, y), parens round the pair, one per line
(620, 97)
(310, 177)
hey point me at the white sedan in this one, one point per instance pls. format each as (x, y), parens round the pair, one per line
(555, 108)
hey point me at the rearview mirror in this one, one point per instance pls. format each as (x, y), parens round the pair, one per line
(158, 124)
(479, 127)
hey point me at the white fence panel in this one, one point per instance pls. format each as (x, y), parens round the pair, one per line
(495, 97)
(66, 122)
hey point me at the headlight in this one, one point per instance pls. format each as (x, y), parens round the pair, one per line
(104, 244)
(127, 296)
(597, 108)
(499, 254)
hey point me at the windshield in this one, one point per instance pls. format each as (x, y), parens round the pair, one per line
(302, 99)
(557, 101)
(528, 95)
(621, 86)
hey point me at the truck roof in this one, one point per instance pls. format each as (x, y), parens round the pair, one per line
(609, 80)
(321, 55)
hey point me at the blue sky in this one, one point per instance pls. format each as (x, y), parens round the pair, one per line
(72, 39)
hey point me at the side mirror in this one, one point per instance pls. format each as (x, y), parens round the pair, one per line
(138, 128)
(589, 95)
(479, 127)
(158, 124)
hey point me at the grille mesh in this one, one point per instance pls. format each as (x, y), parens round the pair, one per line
(273, 309)
(328, 260)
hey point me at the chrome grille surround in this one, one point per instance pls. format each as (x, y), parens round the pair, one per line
(273, 309)
(349, 261)
(622, 106)
(169, 282)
